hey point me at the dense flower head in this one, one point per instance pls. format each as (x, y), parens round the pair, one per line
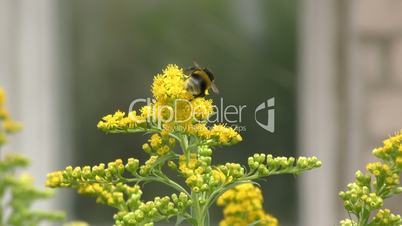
(173, 111)
(170, 85)
(391, 151)
(202, 108)
(243, 206)
(384, 173)
(358, 197)
(224, 135)
(381, 181)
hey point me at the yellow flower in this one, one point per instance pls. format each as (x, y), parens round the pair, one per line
(225, 135)
(243, 206)
(155, 140)
(4, 113)
(77, 223)
(159, 144)
(218, 176)
(146, 147)
(54, 179)
(163, 150)
(7, 124)
(170, 85)
(87, 189)
(202, 108)
(118, 122)
(2, 96)
(187, 167)
(201, 130)
(391, 151)
(11, 126)
(146, 112)
(385, 217)
(3, 139)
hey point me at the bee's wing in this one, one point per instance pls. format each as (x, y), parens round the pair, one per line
(196, 64)
(214, 88)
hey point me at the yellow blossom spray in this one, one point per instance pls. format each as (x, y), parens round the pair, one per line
(18, 190)
(381, 181)
(176, 118)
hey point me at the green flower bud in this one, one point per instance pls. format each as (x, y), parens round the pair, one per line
(132, 165)
(172, 165)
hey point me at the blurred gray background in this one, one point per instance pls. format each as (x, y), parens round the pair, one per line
(334, 68)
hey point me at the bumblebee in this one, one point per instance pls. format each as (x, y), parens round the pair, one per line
(200, 81)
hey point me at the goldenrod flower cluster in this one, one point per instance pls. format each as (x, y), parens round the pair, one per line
(181, 139)
(243, 206)
(108, 183)
(19, 189)
(381, 181)
(17, 211)
(170, 85)
(174, 110)
(385, 217)
(7, 124)
(391, 151)
(120, 122)
(265, 165)
(159, 144)
(202, 177)
(2, 96)
(23, 194)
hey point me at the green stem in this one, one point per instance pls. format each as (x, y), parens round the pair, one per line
(198, 212)
(166, 180)
(363, 217)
